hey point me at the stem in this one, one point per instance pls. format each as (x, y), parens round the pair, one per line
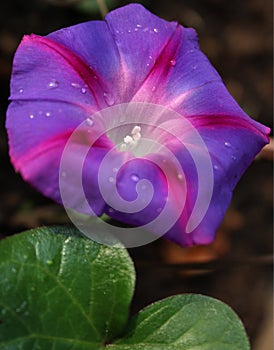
(102, 7)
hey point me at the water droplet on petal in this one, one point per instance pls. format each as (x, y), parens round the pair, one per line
(53, 84)
(155, 30)
(216, 167)
(180, 177)
(63, 174)
(75, 85)
(31, 116)
(110, 210)
(83, 90)
(109, 98)
(172, 63)
(21, 90)
(134, 177)
(227, 144)
(139, 25)
(233, 157)
(111, 179)
(89, 121)
(115, 170)
(48, 114)
(153, 88)
(129, 31)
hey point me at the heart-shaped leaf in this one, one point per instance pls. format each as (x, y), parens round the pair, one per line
(185, 322)
(59, 290)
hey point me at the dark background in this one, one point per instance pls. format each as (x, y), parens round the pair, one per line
(237, 38)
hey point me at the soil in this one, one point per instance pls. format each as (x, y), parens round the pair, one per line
(237, 268)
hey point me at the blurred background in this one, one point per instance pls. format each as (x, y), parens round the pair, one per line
(237, 268)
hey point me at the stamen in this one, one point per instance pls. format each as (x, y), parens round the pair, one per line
(128, 140)
(131, 141)
(136, 133)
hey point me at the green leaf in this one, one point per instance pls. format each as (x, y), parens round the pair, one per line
(185, 322)
(59, 290)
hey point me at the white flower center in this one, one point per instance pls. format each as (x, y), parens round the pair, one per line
(130, 142)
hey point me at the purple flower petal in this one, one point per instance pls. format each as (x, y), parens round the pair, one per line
(140, 38)
(93, 43)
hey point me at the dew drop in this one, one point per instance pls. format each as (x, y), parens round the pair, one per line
(83, 90)
(63, 174)
(75, 85)
(153, 88)
(31, 116)
(216, 167)
(233, 157)
(172, 63)
(129, 31)
(53, 84)
(21, 90)
(139, 25)
(115, 170)
(111, 179)
(180, 177)
(110, 210)
(155, 30)
(134, 177)
(89, 121)
(109, 98)
(227, 144)
(48, 114)
(49, 262)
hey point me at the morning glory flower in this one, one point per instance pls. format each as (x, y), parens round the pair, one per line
(130, 109)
